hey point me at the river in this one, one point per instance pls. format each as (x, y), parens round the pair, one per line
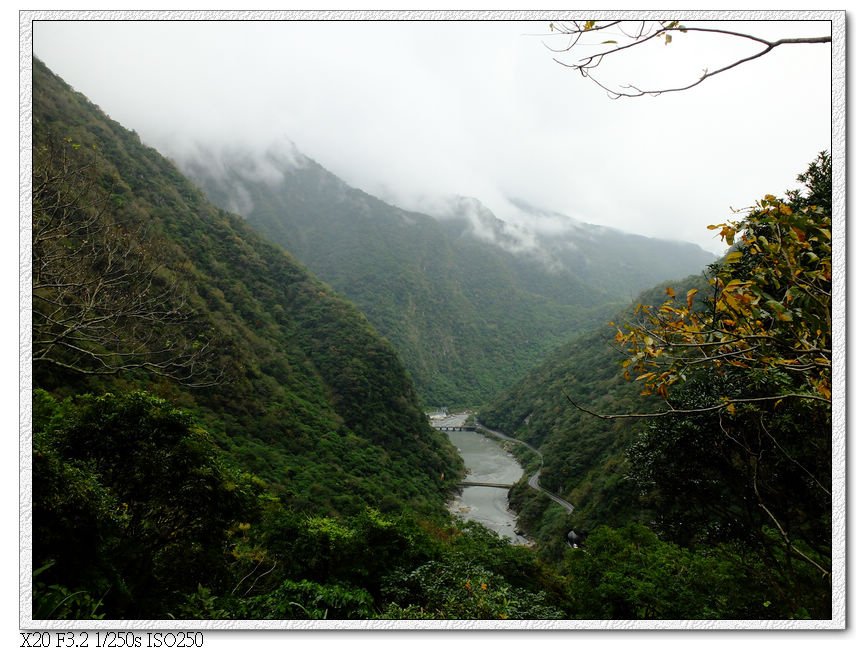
(485, 461)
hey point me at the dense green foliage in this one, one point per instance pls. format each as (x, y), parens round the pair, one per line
(137, 514)
(629, 573)
(309, 396)
(468, 314)
(131, 502)
(733, 475)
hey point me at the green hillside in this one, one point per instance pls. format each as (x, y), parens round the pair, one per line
(304, 392)
(584, 456)
(468, 313)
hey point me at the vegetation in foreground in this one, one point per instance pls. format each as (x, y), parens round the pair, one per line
(137, 514)
(725, 455)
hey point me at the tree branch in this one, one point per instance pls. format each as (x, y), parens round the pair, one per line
(588, 63)
(694, 411)
(103, 302)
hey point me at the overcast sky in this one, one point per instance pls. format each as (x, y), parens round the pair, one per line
(679, 160)
(415, 110)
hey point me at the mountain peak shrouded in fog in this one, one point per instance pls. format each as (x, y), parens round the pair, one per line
(460, 292)
(231, 163)
(555, 240)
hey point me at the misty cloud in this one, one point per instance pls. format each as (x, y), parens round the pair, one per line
(406, 110)
(264, 162)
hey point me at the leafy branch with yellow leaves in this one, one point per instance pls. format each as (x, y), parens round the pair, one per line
(768, 305)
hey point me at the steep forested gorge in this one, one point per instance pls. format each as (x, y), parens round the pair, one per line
(297, 364)
(469, 302)
(300, 408)
(218, 434)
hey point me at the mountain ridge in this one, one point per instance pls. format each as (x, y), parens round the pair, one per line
(466, 303)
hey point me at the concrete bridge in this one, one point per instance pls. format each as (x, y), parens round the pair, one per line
(505, 486)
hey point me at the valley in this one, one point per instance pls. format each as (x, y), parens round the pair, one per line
(233, 370)
(492, 472)
(470, 302)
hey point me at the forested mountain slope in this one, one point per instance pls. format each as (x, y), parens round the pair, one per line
(143, 510)
(469, 303)
(302, 390)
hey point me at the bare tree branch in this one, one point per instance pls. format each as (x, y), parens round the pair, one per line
(587, 64)
(694, 411)
(789, 543)
(101, 303)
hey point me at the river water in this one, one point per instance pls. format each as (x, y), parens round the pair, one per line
(485, 461)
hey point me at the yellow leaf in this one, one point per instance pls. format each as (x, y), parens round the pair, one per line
(670, 292)
(691, 295)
